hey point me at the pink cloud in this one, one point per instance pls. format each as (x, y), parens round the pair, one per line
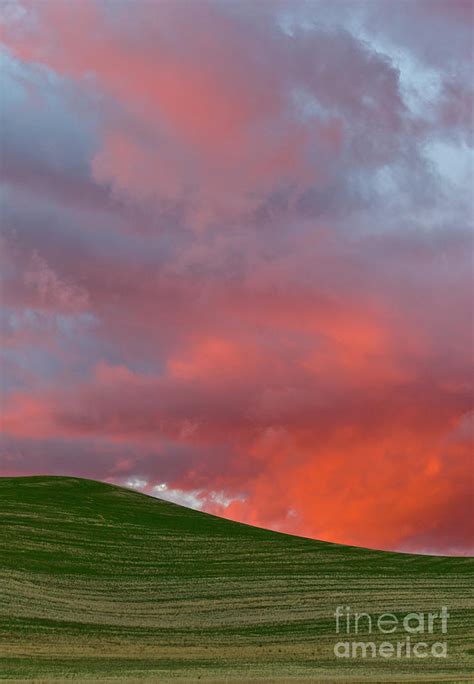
(234, 264)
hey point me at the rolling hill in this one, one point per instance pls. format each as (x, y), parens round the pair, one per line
(97, 582)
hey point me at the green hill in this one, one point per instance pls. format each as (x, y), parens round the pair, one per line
(99, 581)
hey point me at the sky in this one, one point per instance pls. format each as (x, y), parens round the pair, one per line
(237, 258)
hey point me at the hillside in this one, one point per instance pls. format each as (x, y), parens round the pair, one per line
(98, 581)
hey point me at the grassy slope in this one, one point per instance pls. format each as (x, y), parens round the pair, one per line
(97, 581)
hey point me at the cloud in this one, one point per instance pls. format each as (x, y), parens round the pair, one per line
(50, 288)
(236, 244)
(217, 136)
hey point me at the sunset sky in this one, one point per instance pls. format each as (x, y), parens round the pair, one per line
(237, 258)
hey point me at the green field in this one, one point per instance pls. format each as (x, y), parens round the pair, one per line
(102, 582)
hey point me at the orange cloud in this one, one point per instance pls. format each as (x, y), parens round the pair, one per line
(236, 259)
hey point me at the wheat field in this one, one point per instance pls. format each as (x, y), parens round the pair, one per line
(99, 582)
